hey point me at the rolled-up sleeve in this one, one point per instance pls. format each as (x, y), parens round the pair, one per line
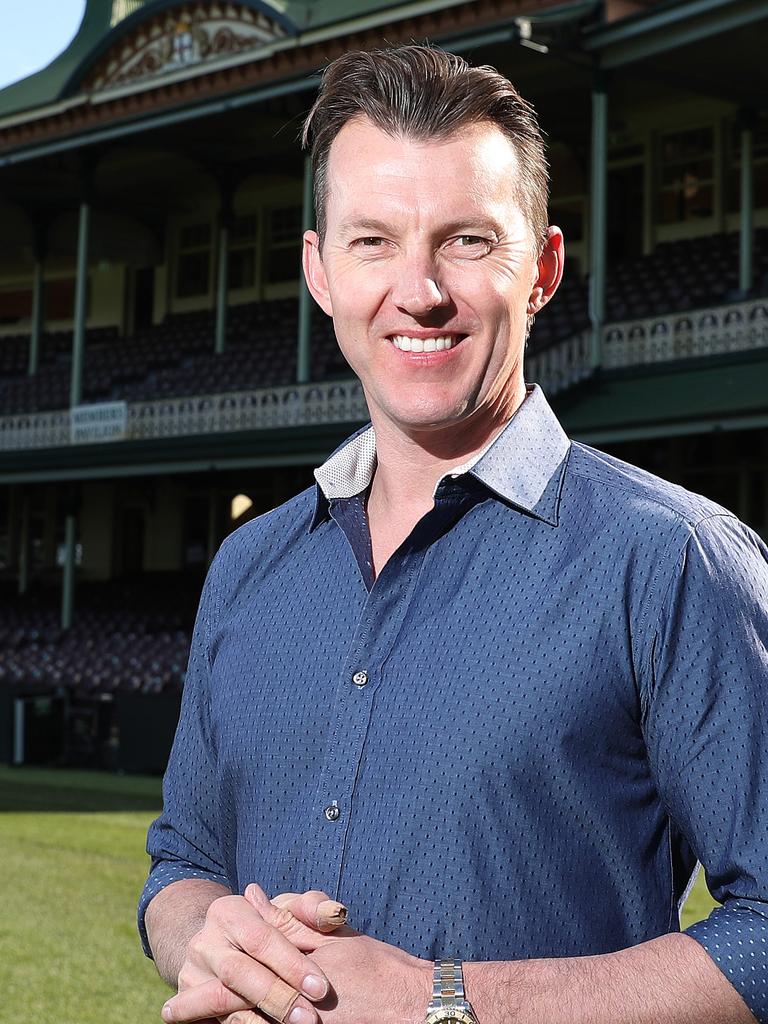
(707, 736)
(183, 841)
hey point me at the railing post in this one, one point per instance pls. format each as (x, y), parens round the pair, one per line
(81, 296)
(303, 360)
(747, 203)
(598, 212)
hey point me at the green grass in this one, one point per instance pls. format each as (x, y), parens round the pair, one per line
(73, 863)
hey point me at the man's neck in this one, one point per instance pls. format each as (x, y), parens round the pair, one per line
(410, 464)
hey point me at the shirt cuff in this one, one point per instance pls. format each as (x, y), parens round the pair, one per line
(736, 937)
(162, 874)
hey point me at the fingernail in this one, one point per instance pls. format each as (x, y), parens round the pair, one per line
(314, 987)
(299, 1015)
(331, 914)
(167, 1013)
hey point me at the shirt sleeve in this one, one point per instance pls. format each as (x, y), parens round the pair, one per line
(707, 736)
(183, 841)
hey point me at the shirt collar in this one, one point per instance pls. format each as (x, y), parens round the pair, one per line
(523, 465)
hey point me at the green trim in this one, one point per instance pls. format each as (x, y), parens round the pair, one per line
(668, 28)
(201, 453)
(706, 426)
(177, 116)
(724, 392)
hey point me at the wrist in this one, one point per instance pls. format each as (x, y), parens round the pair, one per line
(495, 991)
(420, 991)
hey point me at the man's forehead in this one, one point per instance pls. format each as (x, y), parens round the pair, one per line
(360, 142)
(464, 169)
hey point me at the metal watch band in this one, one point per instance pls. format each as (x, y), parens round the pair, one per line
(448, 983)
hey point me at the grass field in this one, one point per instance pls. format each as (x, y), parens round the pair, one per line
(73, 862)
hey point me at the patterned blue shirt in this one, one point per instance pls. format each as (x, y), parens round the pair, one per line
(518, 741)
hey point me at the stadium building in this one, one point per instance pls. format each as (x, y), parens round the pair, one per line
(164, 377)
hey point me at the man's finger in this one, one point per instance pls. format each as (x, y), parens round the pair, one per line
(266, 937)
(212, 994)
(243, 1017)
(242, 985)
(314, 908)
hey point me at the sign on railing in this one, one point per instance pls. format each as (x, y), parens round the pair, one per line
(102, 421)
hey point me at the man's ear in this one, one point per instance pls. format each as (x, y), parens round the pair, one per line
(314, 272)
(549, 271)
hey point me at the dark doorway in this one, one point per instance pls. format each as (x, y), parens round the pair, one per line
(130, 547)
(625, 213)
(143, 297)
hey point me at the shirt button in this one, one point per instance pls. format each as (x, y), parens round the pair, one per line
(360, 678)
(332, 811)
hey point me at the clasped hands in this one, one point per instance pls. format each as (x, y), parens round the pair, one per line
(248, 943)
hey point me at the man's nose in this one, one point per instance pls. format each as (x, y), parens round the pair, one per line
(419, 288)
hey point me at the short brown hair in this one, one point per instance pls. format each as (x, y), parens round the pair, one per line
(425, 93)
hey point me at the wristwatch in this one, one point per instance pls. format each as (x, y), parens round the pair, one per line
(449, 1005)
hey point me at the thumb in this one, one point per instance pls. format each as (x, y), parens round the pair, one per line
(300, 916)
(314, 909)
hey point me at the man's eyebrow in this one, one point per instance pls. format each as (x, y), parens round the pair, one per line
(366, 224)
(450, 227)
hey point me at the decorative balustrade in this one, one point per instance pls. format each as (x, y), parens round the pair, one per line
(733, 328)
(737, 327)
(266, 408)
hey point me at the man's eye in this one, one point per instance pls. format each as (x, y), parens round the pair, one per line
(369, 243)
(468, 241)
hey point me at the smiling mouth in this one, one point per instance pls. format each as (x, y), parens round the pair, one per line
(406, 343)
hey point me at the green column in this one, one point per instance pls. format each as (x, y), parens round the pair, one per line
(38, 316)
(213, 523)
(81, 296)
(221, 286)
(24, 545)
(598, 218)
(747, 224)
(68, 582)
(303, 368)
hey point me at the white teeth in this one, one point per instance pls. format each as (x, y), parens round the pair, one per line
(407, 344)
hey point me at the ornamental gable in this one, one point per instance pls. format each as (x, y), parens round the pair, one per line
(180, 37)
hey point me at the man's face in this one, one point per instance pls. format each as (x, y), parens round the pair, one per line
(429, 273)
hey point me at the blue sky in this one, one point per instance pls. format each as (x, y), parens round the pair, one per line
(34, 32)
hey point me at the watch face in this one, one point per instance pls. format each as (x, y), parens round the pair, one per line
(451, 1015)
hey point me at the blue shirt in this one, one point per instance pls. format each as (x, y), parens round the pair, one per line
(518, 741)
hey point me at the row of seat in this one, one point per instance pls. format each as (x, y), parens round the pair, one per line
(176, 358)
(108, 649)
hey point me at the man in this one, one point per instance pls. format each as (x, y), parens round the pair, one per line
(494, 690)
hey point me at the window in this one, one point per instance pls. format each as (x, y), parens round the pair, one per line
(242, 251)
(283, 256)
(193, 267)
(686, 175)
